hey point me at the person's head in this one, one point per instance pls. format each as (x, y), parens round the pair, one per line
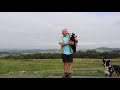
(65, 32)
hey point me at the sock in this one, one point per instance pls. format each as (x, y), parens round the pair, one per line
(69, 73)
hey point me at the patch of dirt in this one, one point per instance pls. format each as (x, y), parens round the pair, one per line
(50, 76)
(81, 77)
(86, 70)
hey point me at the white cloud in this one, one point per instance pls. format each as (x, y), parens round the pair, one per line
(43, 29)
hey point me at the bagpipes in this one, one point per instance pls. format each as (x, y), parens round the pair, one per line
(72, 38)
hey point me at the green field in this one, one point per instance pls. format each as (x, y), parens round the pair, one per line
(43, 68)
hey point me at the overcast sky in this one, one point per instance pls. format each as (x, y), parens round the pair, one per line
(42, 30)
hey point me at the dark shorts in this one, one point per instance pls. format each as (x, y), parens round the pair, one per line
(67, 58)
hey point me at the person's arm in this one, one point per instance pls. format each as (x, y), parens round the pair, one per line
(64, 44)
(61, 43)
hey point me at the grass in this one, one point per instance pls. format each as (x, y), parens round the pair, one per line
(40, 68)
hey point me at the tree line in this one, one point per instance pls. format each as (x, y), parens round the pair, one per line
(79, 54)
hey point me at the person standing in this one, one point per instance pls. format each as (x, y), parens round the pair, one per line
(67, 53)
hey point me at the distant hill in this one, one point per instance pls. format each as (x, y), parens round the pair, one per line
(29, 51)
(116, 51)
(32, 51)
(106, 49)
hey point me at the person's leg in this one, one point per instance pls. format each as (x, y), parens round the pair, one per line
(64, 58)
(70, 59)
(69, 69)
(65, 69)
